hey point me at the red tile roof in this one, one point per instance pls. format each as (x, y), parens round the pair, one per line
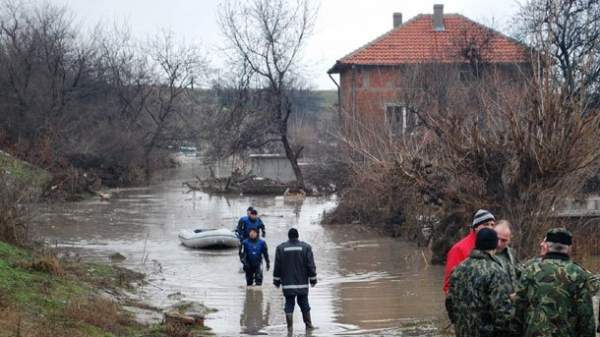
(415, 41)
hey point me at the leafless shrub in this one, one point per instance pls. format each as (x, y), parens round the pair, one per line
(15, 195)
(46, 262)
(99, 312)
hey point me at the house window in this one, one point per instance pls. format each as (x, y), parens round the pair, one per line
(400, 119)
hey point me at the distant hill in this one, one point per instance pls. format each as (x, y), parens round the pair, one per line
(329, 97)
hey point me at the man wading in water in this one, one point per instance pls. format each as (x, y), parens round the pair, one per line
(252, 252)
(294, 271)
(249, 222)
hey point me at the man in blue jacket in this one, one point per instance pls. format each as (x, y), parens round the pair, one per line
(252, 252)
(294, 271)
(248, 222)
(240, 224)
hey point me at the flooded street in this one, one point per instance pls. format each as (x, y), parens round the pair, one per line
(369, 285)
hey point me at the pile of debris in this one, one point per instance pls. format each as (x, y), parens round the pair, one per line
(186, 319)
(238, 184)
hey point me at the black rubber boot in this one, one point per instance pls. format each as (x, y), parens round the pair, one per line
(289, 320)
(307, 321)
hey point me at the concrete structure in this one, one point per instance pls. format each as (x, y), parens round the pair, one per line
(372, 77)
(590, 207)
(272, 166)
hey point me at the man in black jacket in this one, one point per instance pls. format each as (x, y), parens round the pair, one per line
(294, 271)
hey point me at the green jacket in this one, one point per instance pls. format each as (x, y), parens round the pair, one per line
(554, 299)
(478, 301)
(508, 259)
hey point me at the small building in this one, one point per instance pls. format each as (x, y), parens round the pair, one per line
(372, 77)
(276, 167)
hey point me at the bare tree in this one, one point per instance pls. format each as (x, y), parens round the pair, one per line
(41, 64)
(268, 37)
(98, 102)
(175, 67)
(237, 115)
(568, 32)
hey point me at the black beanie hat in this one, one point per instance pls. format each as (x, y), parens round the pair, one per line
(487, 239)
(293, 233)
(560, 235)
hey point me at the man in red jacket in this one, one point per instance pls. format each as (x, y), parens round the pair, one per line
(461, 250)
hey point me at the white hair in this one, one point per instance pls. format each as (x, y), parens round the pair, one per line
(504, 224)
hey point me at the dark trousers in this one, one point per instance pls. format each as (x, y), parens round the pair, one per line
(302, 303)
(253, 274)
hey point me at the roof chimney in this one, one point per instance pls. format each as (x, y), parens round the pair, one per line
(397, 19)
(438, 18)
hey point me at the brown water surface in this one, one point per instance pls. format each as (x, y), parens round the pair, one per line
(369, 285)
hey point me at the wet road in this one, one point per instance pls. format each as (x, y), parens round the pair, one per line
(369, 285)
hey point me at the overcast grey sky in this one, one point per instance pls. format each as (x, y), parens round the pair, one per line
(342, 25)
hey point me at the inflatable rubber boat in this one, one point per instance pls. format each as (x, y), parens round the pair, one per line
(209, 238)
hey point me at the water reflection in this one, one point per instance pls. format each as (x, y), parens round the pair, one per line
(255, 315)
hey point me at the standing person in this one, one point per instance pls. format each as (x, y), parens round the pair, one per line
(240, 225)
(537, 258)
(248, 222)
(553, 298)
(294, 271)
(461, 250)
(251, 253)
(240, 231)
(505, 253)
(248, 211)
(478, 300)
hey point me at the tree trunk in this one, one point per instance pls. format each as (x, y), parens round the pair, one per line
(293, 158)
(148, 152)
(147, 164)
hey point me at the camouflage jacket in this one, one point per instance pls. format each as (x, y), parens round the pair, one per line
(594, 283)
(524, 265)
(554, 300)
(478, 301)
(508, 259)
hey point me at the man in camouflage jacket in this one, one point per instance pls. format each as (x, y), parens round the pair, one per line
(554, 295)
(505, 254)
(478, 300)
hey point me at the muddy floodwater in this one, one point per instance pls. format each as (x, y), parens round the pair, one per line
(369, 285)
